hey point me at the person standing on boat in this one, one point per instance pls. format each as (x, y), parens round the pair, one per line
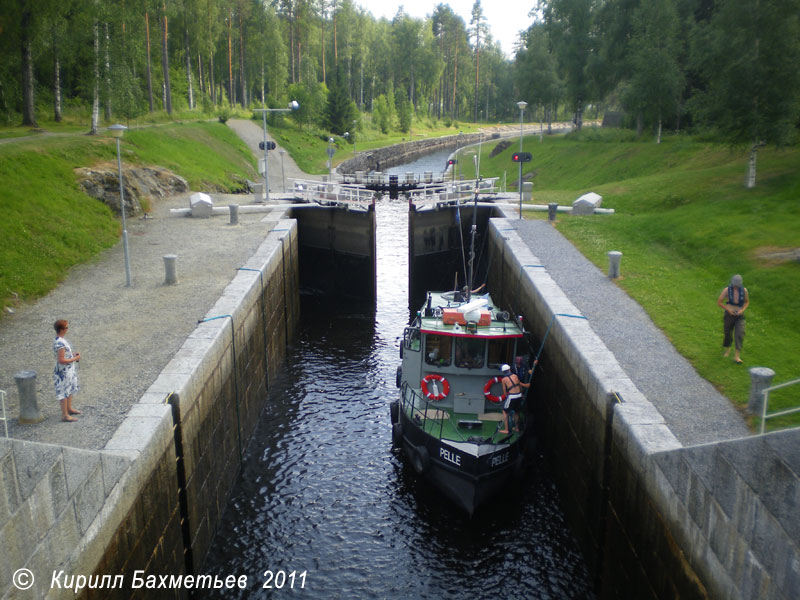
(734, 299)
(512, 389)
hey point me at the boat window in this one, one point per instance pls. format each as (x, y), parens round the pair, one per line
(412, 339)
(437, 350)
(470, 352)
(501, 352)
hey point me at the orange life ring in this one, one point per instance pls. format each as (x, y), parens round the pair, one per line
(429, 394)
(487, 391)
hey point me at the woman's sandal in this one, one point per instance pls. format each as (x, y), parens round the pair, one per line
(69, 419)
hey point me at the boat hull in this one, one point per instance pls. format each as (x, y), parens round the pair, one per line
(467, 480)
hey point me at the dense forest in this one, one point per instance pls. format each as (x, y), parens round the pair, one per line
(731, 66)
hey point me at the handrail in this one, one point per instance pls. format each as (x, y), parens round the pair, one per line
(425, 406)
(765, 393)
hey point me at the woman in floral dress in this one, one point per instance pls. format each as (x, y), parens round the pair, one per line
(65, 375)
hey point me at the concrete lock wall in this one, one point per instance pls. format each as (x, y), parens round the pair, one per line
(654, 519)
(337, 250)
(152, 498)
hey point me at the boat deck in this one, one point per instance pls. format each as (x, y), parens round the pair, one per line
(445, 424)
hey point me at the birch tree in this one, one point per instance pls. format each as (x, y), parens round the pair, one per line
(749, 54)
(569, 25)
(656, 80)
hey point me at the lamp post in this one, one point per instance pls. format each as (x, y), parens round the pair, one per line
(293, 105)
(283, 172)
(116, 132)
(355, 122)
(521, 105)
(330, 156)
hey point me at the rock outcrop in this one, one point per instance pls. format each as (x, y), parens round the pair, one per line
(142, 185)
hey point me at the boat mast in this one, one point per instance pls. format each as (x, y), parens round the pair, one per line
(473, 232)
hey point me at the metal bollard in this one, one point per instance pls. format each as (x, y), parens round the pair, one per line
(234, 208)
(171, 269)
(614, 258)
(552, 209)
(29, 412)
(760, 379)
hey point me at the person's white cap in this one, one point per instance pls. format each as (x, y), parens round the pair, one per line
(505, 368)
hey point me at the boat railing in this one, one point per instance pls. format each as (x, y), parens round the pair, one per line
(428, 415)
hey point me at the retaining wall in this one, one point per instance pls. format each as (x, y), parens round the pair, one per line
(654, 519)
(152, 498)
(399, 154)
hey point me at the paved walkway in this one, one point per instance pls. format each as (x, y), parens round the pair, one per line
(126, 336)
(694, 411)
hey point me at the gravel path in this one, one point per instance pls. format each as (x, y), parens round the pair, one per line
(252, 133)
(127, 335)
(694, 411)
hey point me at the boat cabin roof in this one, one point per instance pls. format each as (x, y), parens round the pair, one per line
(451, 314)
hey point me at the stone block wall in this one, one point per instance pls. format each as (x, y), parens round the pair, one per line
(217, 382)
(736, 512)
(575, 385)
(654, 519)
(66, 512)
(151, 499)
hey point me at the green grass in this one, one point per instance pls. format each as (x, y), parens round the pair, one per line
(50, 225)
(685, 224)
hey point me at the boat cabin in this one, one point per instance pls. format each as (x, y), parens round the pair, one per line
(453, 351)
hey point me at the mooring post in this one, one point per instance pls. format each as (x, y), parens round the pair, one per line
(614, 259)
(234, 208)
(760, 379)
(170, 269)
(29, 412)
(552, 209)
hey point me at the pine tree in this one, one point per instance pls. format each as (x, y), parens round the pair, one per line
(340, 110)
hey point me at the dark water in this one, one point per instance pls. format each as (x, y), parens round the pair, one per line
(322, 493)
(436, 162)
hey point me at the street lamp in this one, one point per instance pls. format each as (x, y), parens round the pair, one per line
(116, 132)
(293, 105)
(331, 152)
(283, 172)
(521, 105)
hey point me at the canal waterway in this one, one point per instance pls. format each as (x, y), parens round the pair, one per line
(326, 505)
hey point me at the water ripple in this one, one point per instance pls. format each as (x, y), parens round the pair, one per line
(322, 491)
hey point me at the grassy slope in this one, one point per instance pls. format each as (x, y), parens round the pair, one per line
(49, 224)
(685, 223)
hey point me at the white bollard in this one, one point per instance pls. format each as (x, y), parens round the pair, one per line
(234, 208)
